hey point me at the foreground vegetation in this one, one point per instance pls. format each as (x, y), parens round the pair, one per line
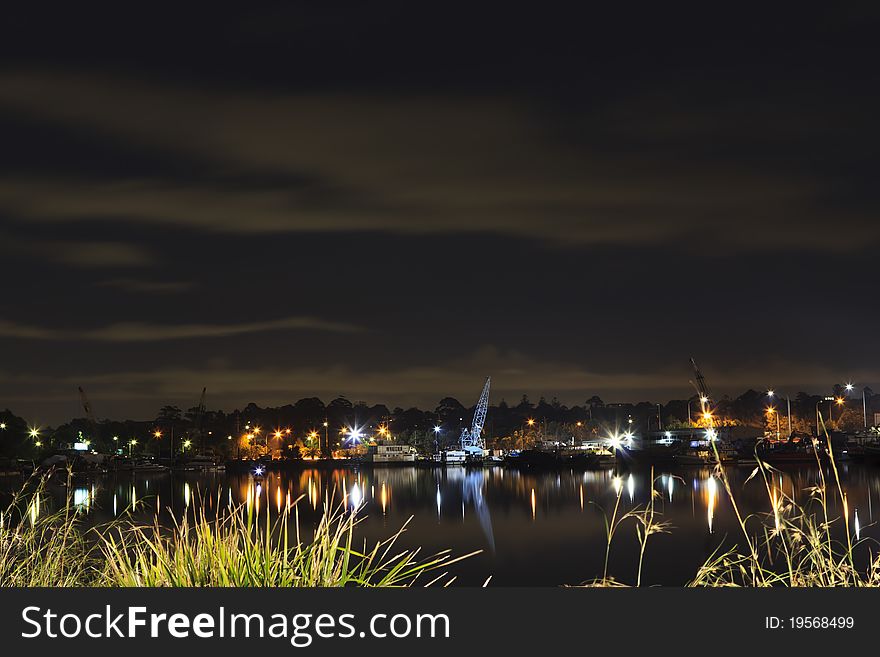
(792, 545)
(238, 548)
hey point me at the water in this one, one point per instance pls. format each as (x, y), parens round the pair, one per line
(544, 529)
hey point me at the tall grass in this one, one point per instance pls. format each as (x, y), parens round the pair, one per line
(237, 548)
(39, 548)
(241, 549)
(793, 545)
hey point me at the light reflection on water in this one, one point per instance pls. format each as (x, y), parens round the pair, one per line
(496, 511)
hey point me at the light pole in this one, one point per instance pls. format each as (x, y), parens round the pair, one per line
(772, 411)
(839, 402)
(849, 388)
(771, 393)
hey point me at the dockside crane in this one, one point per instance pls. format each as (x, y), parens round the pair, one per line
(87, 407)
(472, 439)
(198, 418)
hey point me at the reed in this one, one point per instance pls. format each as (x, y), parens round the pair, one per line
(39, 548)
(792, 545)
(238, 548)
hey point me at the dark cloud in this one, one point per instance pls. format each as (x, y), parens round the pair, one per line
(146, 332)
(573, 200)
(444, 164)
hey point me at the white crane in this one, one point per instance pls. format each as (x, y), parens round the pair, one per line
(472, 439)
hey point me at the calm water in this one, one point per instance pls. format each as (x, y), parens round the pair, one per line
(533, 528)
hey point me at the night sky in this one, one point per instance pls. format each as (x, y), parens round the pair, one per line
(391, 202)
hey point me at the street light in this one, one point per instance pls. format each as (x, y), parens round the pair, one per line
(34, 432)
(131, 443)
(771, 412)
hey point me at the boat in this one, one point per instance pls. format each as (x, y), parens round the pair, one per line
(788, 451)
(199, 463)
(452, 457)
(864, 453)
(534, 459)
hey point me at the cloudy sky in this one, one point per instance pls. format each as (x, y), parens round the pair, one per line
(393, 201)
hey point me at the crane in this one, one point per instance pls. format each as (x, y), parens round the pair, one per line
(198, 416)
(701, 386)
(471, 439)
(87, 407)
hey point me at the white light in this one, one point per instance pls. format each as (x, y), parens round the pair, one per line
(356, 496)
(437, 429)
(849, 387)
(259, 470)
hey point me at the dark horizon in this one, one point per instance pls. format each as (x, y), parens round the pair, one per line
(393, 204)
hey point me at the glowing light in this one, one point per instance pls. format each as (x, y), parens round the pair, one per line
(531, 422)
(82, 498)
(277, 434)
(157, 434)
(2, 425)
(187, 444)
(384, 498)
(437, 429)
(34, 432)
(713, 492)
(187, 494)
(839, 401)
(534, 504)
(259, 470)
(631, 487)
(617, 484)
(356, 497)
(711, 435)
(849, 387)
(670, 484)
(438, 500)
(703, 399)
(858, 526)
(614, 441)
(770, 393)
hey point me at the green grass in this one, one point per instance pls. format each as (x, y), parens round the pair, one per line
(239, 548)
(39, 548)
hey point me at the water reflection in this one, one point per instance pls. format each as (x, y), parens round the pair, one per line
(495, 510)
(472, 492)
